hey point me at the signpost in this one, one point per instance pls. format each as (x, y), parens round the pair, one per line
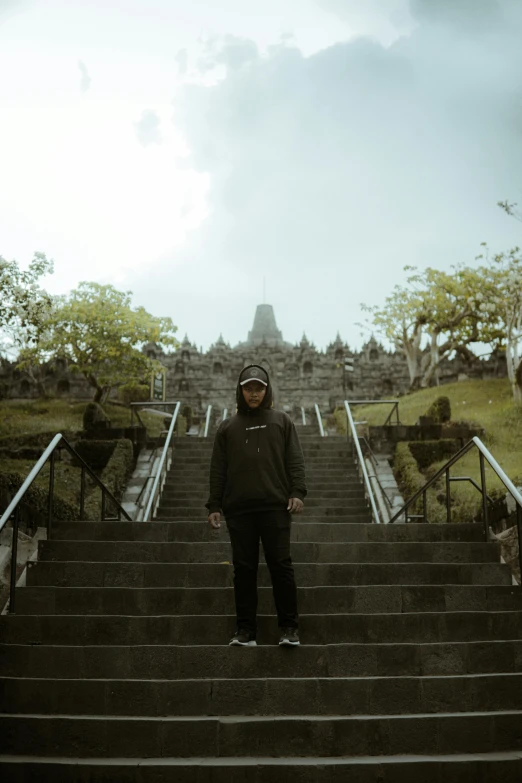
(158, 385)
(347, 367)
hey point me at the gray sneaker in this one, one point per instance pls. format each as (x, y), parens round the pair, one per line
(289, 637)
(243, 638)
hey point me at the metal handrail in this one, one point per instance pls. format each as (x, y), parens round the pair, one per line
(394, 403)
(162, 469)
(362, 464)
(14, 506)
(319, 419)
(207, 421)
(484, 456)
(134, 406)
(373, 460)
(303, 416)
(225, 414)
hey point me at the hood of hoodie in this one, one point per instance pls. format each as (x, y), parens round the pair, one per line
(268, 400)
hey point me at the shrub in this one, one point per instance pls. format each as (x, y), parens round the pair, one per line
(440, 410)
(411, 480)
(426, 452)
(114, 476)
(341, 420)
(35, 503)
(134, 392)
(96, 453)
(94, 416)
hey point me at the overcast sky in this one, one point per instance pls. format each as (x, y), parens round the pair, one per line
(188, 150)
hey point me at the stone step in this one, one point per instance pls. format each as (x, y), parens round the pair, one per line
(198, 496)
(217, 551)
(354, 500)
(221, 661)
(374, 599)
(85, 574)
(355, 507)
(493, 767)
(200, 488)
(254, 736)
(312, 515)
(216, 629)
(240, 736)
(253, 697)
(301, 531)
(333, 458)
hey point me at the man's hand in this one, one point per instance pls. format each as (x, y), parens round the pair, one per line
(215, 520)
(295, 506)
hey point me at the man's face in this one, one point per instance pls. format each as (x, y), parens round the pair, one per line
(253, 393)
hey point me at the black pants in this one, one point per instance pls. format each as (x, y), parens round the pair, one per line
(273, 528)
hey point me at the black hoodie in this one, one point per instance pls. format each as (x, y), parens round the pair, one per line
(257, 462)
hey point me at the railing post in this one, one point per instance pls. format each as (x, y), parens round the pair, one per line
(397, 412)
(319, 420)
(425, 506)
(519, 530)
(82, 493)
(207, 421)
(14, 554)
(448, 497)
(484, 495)
(50, 504)
(103, 509)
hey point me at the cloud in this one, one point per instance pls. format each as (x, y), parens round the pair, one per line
(229, 51)
(465, 15)
(330, 173)
(85, 81)
(182, 61)
(148, 128)
(8, 7)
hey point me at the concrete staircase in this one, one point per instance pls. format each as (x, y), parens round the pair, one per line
(116, 668)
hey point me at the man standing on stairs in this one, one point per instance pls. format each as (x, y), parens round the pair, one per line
(257, 479)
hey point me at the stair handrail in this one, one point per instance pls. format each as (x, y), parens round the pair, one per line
(207, 421)
(362, 464)
(13, 508)
(484, 456)
(393, 403)
(319, 419)
(373, 460)
(161, 473)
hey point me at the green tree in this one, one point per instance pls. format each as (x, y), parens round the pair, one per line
(434, 315)
(504, 299)
(101, 335)
(24, 305)
(24, 311)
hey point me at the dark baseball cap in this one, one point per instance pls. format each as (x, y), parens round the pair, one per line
(253, 374)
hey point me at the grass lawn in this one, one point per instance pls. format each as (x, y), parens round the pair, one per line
(34, 417)
(43, 419)
(489, 404)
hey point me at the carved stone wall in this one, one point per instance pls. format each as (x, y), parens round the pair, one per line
(300, 374)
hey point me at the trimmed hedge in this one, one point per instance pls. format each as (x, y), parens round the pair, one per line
(440, 410)
(134, 392)
(114, 476)
(96, 453)
(94, 417)
(411, 480)
(426, 452)
(35, 504)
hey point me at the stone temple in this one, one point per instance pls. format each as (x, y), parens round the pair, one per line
(301, 374)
